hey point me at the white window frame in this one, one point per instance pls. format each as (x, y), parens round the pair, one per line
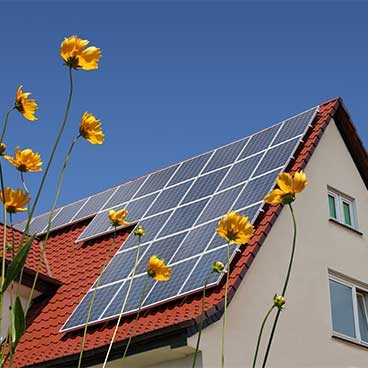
(356, 288)
(340, 199)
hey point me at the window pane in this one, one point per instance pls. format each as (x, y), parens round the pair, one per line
(332, 206)
(347, 217)
(362, 314)
(342, 309)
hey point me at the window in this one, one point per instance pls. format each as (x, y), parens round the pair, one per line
(349, 310)
(342, 208)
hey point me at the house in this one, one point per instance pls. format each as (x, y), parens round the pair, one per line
(325, 321)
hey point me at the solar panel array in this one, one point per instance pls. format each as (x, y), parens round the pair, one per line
(179, 207)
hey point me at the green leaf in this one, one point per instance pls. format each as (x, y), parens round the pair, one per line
(16, 266)
(19, 321)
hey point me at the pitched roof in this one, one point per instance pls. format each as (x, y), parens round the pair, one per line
(33, 260)
(77, 265)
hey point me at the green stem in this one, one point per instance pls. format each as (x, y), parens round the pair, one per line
(136, 319)
(12, 235)
(6, 124)
(225, 308)
(63, 124)
(93, 298)
(201, 319)
(260, 335)
(4, 245)
(124, 303)
(284, 288)
(24, 182)
(43, 250)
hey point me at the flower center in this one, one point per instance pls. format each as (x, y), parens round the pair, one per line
(151, 273)
(72, 62)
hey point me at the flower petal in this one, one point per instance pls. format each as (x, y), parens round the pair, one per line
(300, 181)
(285, 182)
(274, 197)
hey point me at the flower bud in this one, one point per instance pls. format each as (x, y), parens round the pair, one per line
(2, 148)
(278, 301)
(218, 267)
(139, 231)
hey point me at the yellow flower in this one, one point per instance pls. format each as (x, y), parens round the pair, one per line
(288, 187)
(90, 129)
(157, 269)
(75, 54)
(117, 217)
(25, 106)
(14, 200)
(25, 160)
(235, 228)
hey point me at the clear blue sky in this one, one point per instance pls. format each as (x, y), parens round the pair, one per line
(175, 79)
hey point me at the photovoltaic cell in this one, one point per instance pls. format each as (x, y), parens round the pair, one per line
(163, 248)
(66, 214)
(156, 181)
(124, 193)
(166, 290)
(98, 225)
(94, 204)
(180, 207)
(205, 185)
(152, 226)
(203, 268)
(39, 223)
(196, 241)
(190, 169)
(137, 208)
(169, 198)
(250, 211)
(276, 157)
(295, 126)
(101, 299)
(140, 284)
(225, 155)
(256, 190)
(219, 204)
(241, 171)
(183, 218)
(260, 141)
(121, 265)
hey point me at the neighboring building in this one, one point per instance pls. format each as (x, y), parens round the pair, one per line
(325, 320)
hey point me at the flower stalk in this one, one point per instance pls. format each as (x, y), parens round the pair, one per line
(93, 299)
(44, 245)
(224, 321)
(143, 295)
(201, 319)
(286, 282)
(6, 124)
(124, 303)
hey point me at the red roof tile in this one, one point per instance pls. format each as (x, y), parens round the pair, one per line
(77, 265)
(33, 260)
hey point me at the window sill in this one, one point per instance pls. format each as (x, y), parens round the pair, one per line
(350, 340)
(345, 226)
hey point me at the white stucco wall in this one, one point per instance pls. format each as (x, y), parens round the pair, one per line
(9, 297)
(304, 335)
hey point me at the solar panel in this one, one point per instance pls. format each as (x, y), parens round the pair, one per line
(65, 215)
(179, 207)
(123, 193)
